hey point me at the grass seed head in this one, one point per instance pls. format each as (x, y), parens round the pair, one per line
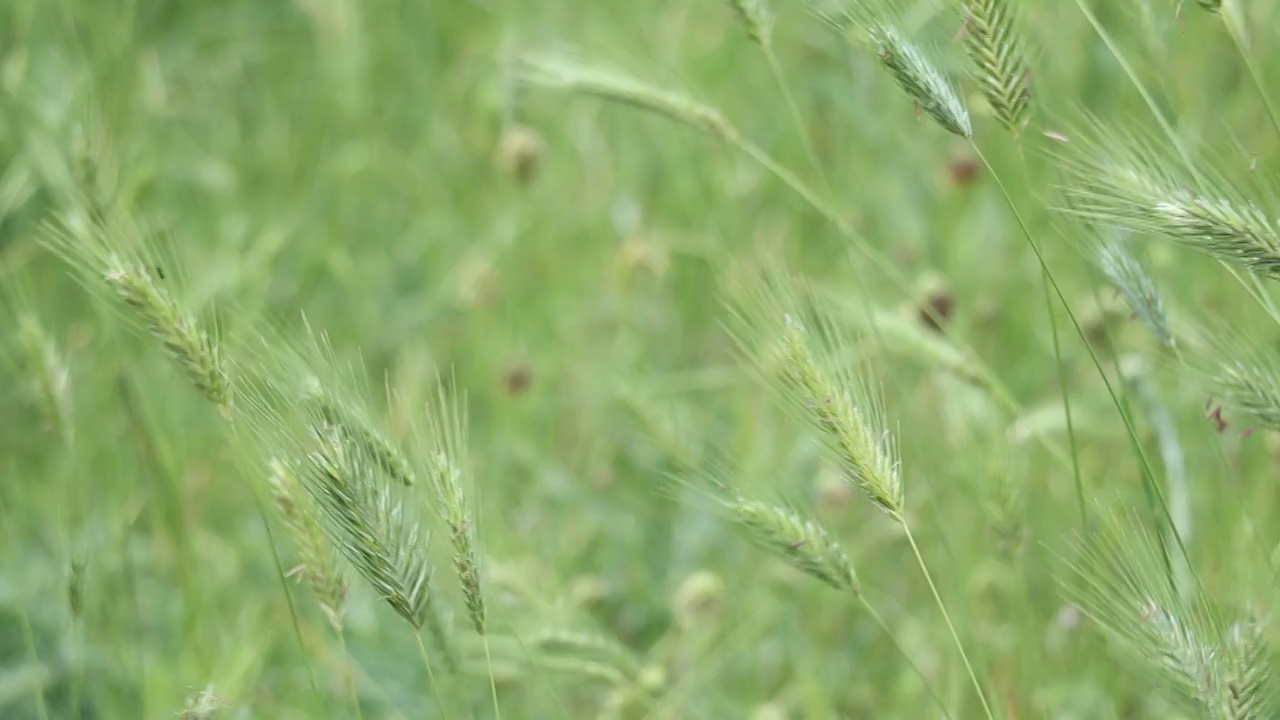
(756, 19)
(572, 76)
(798, 539)
(999, 61)
(319, 562)
(447, 443)
(1125, 180)
(1137, 287)
(920, 78)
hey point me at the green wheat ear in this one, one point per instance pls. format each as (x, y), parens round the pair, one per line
(1214, 666)
(112, 257)
(1127, 180)
(911, 68)
(999, 60)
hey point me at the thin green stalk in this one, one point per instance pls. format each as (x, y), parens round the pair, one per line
(426, 662)
(288, 595)
(796, 118)
(1062, 372)
(493, 681)
(77, 682)
(1237, 38)
(955, 636)
(1148, 474)
(349, 670)
(884, 626)
(1066, 400)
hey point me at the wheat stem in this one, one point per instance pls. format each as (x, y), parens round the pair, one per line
(955, 637)
(1236, 34)
(1136, 442)
(493, 681)
(431, 676)
(797, 119)
(348, 669)
(1066, 400)
(879, 620)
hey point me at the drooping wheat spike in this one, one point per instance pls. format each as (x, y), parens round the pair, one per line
(369, 521)
(586, 646)
(573, 76)
(999, 59)
(1241, 373)
(756, 19)
(868, 454)
(796, 348)
(796, 538)
(345, 420)
(318, 561)
(370, 526)
(446, 420)
(1123, 179)
(920, 77)
(193, 349)
(1249, 685)
(912, 69)
(203, 705)
(109, 254)
(1120, 581)
(1140, 293)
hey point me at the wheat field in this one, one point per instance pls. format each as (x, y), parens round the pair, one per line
(639, 360)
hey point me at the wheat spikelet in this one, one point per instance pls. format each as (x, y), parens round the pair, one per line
(1249, 682)
(1239, 370)
(343, 419)
(203, 705)
(572, 76)
(798, 539)
(920, 78)
(800, 363)
(1140, 293)
(319, 564)
(447, 425)
(362, 516)
(1124, 180)
(1122, 582)
(109, 255)
(586, 646)
(193, 350)
(999, 61)
(755, 18)
(868, 456)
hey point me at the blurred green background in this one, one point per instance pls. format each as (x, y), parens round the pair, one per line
(378, 167)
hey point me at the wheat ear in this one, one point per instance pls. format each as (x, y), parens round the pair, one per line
(344, 420)
(573, 76)
(447, 427)
(1123, 179)
(1127, 273)
(110, 255)
(795, 537)
(999, 60)
(319, 563)
(1119, 579)
(756, 19)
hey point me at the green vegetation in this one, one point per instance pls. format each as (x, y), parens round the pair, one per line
(713, 359)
